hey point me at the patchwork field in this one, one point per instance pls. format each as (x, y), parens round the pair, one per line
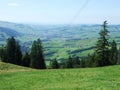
(14, 77)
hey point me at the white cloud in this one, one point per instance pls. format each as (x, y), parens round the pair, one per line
(13, 4)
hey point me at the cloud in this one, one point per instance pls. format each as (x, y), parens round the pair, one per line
(13, 4)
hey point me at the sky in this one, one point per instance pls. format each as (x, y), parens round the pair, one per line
(60, 11)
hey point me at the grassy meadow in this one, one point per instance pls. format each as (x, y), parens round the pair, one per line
(14, 77)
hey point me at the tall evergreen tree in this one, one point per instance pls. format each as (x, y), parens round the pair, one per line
(3, 54)
(13, 51)
(113, 53)
(54, 64)
(37, 58)
(69, 62)
(102, 47)
(10, 50)
(18, 54)
(82, 63)
(26, 60)
(118, 59)
(90, 62)
(76, 62)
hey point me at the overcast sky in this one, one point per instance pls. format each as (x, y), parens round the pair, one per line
(60, 11)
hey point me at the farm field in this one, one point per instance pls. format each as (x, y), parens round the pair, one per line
(14, 77)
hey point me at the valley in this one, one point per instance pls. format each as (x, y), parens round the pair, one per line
(58, 41)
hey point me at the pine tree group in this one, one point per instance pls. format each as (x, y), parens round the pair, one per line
(12, 53)
(106, 53)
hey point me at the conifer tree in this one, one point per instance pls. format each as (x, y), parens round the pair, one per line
(18, 54)
(82, 63)
(76, 62)
(69, 62)
(13, 51)
(102, 47)
(26, 60)
(37, 58)
(113, 53)
(3, 54)
(118, 59)
(54, 64)
(90, 62)
(10, 50)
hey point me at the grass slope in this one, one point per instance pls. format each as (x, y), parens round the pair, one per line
(7, 67)
(105, 78)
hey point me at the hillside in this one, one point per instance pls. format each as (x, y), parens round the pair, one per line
(59, 41)
(105, 78)
(5, 67)
(21, 28)
(7, 32)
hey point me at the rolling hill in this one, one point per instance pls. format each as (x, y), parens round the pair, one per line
(11, 67)
(7, 32)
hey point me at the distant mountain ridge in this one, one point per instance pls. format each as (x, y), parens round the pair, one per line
(9, 32)
(21, 28)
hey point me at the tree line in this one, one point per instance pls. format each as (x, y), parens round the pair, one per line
(11, 53)
(105, 53)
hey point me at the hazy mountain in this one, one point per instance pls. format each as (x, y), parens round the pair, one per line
(21, 28)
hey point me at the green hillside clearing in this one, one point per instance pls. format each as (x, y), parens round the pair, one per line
(6, 67)
(14, 77)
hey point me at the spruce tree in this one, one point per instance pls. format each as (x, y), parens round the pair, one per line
(90, 62)
(69, 62)
(10, 50)
(4, 58)
(82, 63)
(18, 54)
(76, 62)
(26, 60)
(102, 47)
(37, 58)
(118, 59)
(113, 53)
(3, 54)
(13, 51)
(54, 64)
